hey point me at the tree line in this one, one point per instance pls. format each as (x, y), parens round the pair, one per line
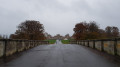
(91, 30)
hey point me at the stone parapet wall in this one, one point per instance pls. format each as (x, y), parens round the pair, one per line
(111, 46)
(9, 46)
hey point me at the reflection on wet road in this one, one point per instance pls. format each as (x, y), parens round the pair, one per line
(59, 55)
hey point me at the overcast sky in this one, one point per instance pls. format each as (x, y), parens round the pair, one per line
(58, 16)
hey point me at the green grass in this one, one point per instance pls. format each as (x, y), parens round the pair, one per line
(65, 41)
(51, 41)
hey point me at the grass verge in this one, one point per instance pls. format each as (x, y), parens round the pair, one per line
(51, 41)
(65, 41)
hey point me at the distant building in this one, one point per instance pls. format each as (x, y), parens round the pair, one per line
(58, 36)
(65, 39)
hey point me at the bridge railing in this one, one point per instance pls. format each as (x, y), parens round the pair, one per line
(111, 46)
(10, 46)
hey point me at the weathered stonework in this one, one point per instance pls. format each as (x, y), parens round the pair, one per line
(91, 44)
(9, 46)
(98, 45)
(109, 47)
(1, 48)
(118, 48)
(86, 43)
(83, 43)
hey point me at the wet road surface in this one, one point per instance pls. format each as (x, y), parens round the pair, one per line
(59, 55)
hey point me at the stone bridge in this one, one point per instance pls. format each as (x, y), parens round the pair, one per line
(62, 55)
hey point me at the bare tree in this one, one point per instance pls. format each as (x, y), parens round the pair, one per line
(93, 27)
(108, 30)
(115, 31)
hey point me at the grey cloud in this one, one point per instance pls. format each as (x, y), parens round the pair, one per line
(58, 16)
(9, 21)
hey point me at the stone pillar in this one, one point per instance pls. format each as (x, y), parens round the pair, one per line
(118, 47)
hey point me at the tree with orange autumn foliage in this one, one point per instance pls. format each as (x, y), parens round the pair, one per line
(85, 30)
(30, 29)
(91, 30)
(80, 30)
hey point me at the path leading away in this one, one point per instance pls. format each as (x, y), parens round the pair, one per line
(59, 55)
